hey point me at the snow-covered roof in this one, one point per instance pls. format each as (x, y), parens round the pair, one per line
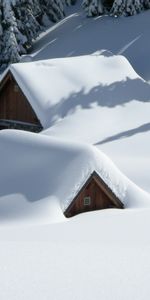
(55, 168)
(36, 167)
(51, 86)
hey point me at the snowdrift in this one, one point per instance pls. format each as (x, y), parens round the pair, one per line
(41, 175)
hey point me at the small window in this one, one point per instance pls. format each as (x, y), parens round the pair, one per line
(16, 88)
(87, 201)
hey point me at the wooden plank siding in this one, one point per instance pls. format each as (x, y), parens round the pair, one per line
(101, 197)
(13, 103)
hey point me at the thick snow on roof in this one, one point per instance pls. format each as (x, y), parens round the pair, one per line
(36, 167)
(54, 86)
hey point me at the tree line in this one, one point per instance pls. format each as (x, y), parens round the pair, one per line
(21, 21)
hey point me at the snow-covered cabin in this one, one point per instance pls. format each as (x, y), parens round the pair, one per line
(95, 194)
(54, 176)
(44, 92)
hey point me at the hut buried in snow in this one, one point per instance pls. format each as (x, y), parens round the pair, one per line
(41, 93)
(74, 177)
(94, 195)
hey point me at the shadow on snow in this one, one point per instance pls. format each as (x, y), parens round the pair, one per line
(125, 134)
(118, 93)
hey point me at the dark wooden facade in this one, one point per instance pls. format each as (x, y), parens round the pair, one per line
(94, 195)
(14, 106)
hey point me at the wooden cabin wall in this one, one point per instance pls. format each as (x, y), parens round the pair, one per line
(99, 200)
(14, 105)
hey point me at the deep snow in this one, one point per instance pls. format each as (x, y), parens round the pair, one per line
(43, 175)
(125, 126)
(111, 93)
(100, 255)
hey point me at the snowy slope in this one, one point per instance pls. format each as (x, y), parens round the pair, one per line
(98, 255)
(105, 106)
(130, 37)
(79, 35)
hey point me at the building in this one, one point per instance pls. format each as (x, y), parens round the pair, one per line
(60, 177)
(41, 93)
(93, 195)
(15, 109)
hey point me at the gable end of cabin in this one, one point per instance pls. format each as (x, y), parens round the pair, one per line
(15, 109)
(94, 195)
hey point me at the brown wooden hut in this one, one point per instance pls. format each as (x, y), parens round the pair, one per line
(15, 109)
(94, 195)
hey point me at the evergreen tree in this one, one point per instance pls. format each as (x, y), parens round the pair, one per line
(21, 21)
(9, 47)
(54, 9)
(146, 4)
(116, 7)
(18, 29)
(93, 7)
(127, 7)
(25, 12)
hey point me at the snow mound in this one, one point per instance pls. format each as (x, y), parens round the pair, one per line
(40, 176)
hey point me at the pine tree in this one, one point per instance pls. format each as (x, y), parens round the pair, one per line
(28, 26)
(146, 4)
(20, 23)
(93, 7)
(18, 28)
(116, 7)
(127, 7)
(54, 9)
(9, 47)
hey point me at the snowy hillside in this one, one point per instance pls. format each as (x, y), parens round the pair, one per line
(79, 35)
(95, 108)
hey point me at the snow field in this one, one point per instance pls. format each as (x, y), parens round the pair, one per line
(103, 254)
